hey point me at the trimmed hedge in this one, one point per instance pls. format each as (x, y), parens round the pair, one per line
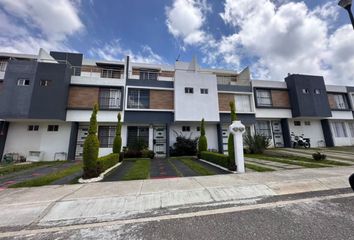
(217, 158)
(107, 161)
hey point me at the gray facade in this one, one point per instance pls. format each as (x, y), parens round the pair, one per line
(308, 96)
(150, 83)
(246, 119)
(4, 126)
(234, 88)
(148, 117)
(35, 101)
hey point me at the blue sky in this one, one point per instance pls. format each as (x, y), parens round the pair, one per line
(273, 38)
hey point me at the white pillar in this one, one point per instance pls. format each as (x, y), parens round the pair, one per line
(151, 138)
(237, 129)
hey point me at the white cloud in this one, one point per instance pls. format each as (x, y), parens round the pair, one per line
(115, 51)
(28, 25)
(185, 20)
(285, 38)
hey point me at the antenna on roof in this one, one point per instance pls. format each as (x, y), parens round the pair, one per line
(179, 55)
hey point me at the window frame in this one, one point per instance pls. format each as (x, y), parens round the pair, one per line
(339, 129)
(297, 123)
(107, 140)
(204, 91)
(259, 97)
(47, 83)
(118, 99)
(139, 104)
(148, 74)
(186, 128)
(23, 82)
(340, 101)
(33, 128)
(53, 128)
(260, 130)
(189, 90)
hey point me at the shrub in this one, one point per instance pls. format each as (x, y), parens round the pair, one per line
(217, 158)
(117, 143)
(203, 142)
(147, 154)
(107, 161)
(230, 140)
(91, 146)
(138, 145)
(132, 154)
(184, 147)
(257, 143)
(319, 156)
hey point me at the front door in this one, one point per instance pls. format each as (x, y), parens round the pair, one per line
(160, 141)
(277, 134)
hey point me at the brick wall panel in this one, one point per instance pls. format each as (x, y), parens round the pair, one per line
(332, 101)
(224, 101)
(161, 99)
(280, 98)
(82, 97)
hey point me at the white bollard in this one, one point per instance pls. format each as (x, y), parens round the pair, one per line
(237, 129)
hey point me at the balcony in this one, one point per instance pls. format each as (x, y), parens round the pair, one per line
(151, 74)
(226, 80)
(92, 75)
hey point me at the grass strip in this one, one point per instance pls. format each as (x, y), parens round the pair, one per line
(305, 159)
(196, 167)
(286, 161)
(258, 168)
(140, 170)
(49, 178)
(11, 168)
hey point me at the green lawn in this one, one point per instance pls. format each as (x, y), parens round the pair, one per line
(258, 168)
(310, 160)
(196, 167)
(313, 164)
(11, 168)
(140, 170)
(49, 178)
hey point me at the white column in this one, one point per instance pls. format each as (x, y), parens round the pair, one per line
(237, 129)
(151, 138)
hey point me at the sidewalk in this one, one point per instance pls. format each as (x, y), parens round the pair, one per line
(106, 201)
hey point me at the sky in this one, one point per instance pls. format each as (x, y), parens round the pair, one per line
(272, 37)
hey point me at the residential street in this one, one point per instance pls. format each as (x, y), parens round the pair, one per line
(293, 204)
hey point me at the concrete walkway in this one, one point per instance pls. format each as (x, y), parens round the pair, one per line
(106, 201)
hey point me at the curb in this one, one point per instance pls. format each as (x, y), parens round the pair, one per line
(100, 177)
(216, 165)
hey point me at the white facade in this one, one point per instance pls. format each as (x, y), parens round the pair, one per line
(342, 132)
(20, 140)
(84, 116)
(310, 128)
(195, 106)
(210, 132)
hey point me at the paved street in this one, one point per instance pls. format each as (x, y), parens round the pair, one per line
(107, 209)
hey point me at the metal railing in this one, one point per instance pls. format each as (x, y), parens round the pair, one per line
(3, 65)
(98, 72)
(226, 80)
(149, 75)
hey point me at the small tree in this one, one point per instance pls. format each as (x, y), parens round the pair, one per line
(91, 146)
(117, 144)
(230, 140)
(203, 142)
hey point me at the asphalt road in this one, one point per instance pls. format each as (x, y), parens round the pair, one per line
(308, 216)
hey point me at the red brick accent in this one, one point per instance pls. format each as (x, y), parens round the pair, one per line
(332, 101)
(161, 99)
(82, 97)
(280, 98)
(224, 101)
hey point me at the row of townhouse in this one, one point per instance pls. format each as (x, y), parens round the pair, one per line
(46, 101)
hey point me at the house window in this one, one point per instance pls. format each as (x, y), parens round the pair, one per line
(307, 123)
(317, 91)
(23, 82)
(3, 65)
(186, 128)
(263, 128)
(188, 90)
(53, 128)
(340, 101)
(198, 129)
(305, 91)
(106, 136)
(110, 98)
(351, 128)
(243, 103)
(148, 74)
(297, 123)
(204, 91)
(138, 136)
(339, 129)
(138, 98)
(111, 73)
(33, 128)
(45, 83)
(264, 98)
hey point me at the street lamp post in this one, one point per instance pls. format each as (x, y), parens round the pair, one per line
(347, 4)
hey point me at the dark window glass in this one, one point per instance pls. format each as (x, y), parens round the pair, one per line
(138, 98)
(297, 123)
(23, 82)
(305, 91)
(45, 83)
(186, 128)
(264, 98)
(188, 90)
(30, 128)
(35, 128)
(204, 91)
(106, 136)
(53, 128)
(137, 136)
